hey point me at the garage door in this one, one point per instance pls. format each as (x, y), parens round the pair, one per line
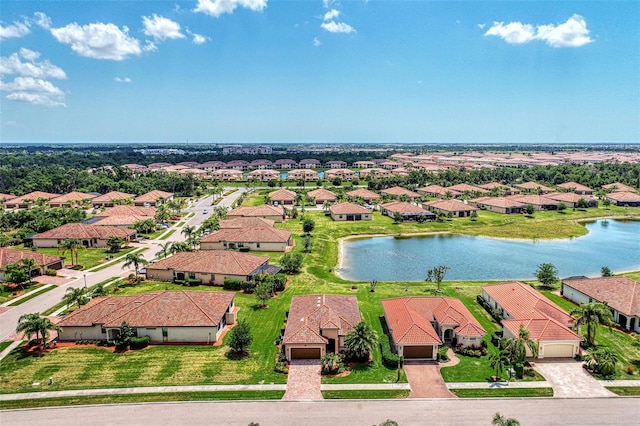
(558, 351)
(305, 353)
(417, 351)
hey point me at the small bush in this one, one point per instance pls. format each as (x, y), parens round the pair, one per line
(194, 281)
(389, 359)
(249, 286)
(232, 284)
(442, 354)
(51, 272)
(139, 342)
(332, 364)
(472, 351)
(281, 367)
(629, 369)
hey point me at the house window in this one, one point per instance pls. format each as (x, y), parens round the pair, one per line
(165, 332)
(224, 244)
(192, 275)
(257, 245)
(103, 330)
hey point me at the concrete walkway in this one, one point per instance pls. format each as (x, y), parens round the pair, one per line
(622, 383)
(569, 380)
(304, 380)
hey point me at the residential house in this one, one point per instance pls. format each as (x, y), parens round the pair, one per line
(264, 175)
(349, 212)
(571, 199)
(72, 199)
(261, 164)
(282, 197)
(307, 175)
(548, 325)
(164, 316)
(29, 200)
(390, 165)
(464, 188)
(91, 236)
(498, 188)
(42, 261)
(576, 187)
(344, 174)
(318, 324)
(364, 164)
(227, 175)
(397, 192)
(418, 325)
(369, 197)
(111, 199)
(618, 187)
(4, 198)
(498, 205)
(374, 172)
(127, 210)
(285, 164)
(453, 208)
(245, 222)
(275, 213)
(238, 165)
(261, 238)
(621, 294)
(153, 198)
(210, 266)
(408, 211)
(321, 195)
(624, 199)
(210, 166)
(438, 191)
(336, 164)
(540, 202)
(532, 188)
(310, 163)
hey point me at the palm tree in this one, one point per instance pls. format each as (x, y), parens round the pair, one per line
(360, 341)
(499, 361)
(178, 246)
(29, 324)
(135, 259)
(71, 245)
(188, 231)
(517, 347)
(45, 325)
(592, 314)
(500, 420)
(165, 249)
(75, 295)
(602, 361)
(29, 265)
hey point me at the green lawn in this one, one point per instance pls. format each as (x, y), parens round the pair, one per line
(7, 294)
(625, 390)
(89, 257)
(503, 393)
(4, 345)
(366, 394)
(34, 293)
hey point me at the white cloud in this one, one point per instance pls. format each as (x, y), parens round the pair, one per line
(34, 91)
(161, 28)
(199, 39)
(30, 83)
(35, 99)
(16, 30)
(29, 54)
(338, 27)
(122, 80)
(572, 33)
(327, 3)
(332, 14)
(316, 42)
(220, 7)
(42, 20)
(13, 64)
(149, 46)
(98, 40)
(481, 26)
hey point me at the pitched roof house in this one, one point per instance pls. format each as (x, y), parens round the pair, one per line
(275, 213)
(533, 187)
(621, 294)
(71, 199)
(91, 236)
(282, 197)
(618, 187)
(317, 324)
(498, 205)
(629, 199)
(112, 198)
(571, 199)
(368, 196)
(576, 187)
(456, 208)
(398, 191)
(127, 210)
(438, 191)
(408, 211)
(245, 222)
(260, 238)
(29, 200)
(153, 198)
(419, 324)
(166, 317)
(349, 212)
(43, 261)
(321, 195)
(540, 202)
(465, 187)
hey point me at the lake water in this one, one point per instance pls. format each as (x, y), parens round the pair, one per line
(611, 243)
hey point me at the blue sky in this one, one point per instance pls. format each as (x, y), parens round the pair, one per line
(320, 71)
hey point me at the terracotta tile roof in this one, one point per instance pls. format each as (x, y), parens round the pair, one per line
(310, 314)
(6, 197)
(119, 220)
(152, 196)
(156, 309)
(568, 197)
(620, 187)
(532, 186)
(212, 262)
(536, 200)
(397, 191)
(621, 293)
(126, 210)
(497, 202)
(462, 187)
(492, 185)
(322, 194)
(33, 196)
(574, 186)
(83, 231)
(8, 256)
(365, 194)
(451, 206)
(348, 208)
(262, 234)
(112, 196)
(624, 196)
(71, 196)
(403, 207)
(541, 329)
(407, 326)
(282, 194)
(245, 222)
(522, 301)
(438, 190)
(257, 211)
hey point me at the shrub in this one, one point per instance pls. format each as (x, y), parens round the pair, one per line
(442, 354)
(51, 272)
(139, 342)
(332, 364)
(232, 284)
(389, 359)
(472, 351)
(249, 286)
(281, 367)
(519, 370)
(279, 282)
(629, 369)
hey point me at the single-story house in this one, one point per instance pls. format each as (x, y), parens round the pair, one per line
(500, 188)
(618, 187)
(307, 175)
(628, 199)
(532, 187)
(318, 324)
(576, 188)
(153, 198)
(262, 238)
(112, 198)
(408, 211)
(43, 261)
(282, 197)
(438, 191)
(72, 199)
(119, 221)
(368, 196)
(418, 325)
(164, 316)
(465, 187)
(498, 205)
(550, 325)
(349, 212)
(245, 222)
(90, 236)
(210, 266)
(4, 198)
(127, 210)
(321, 195)
(398, 191)
(540, 202)
(275, 213)
(456, 208)
(621, 294)
(571, 199)
(29, 200)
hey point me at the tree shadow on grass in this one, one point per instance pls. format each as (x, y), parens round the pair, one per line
(236, 356)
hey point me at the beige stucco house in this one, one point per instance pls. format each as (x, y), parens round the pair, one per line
(265, 211)
(153, 198)
(90, 236)
(43, 261)
(349, 212)
(257, 238)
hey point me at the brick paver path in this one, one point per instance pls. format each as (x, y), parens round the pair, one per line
(569, 380)
(425, 380)
(303, 381)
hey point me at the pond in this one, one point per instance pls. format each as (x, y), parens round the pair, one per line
(611, 243)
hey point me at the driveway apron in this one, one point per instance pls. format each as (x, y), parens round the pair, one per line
(303, 381)
(425, 380)
(569, 380)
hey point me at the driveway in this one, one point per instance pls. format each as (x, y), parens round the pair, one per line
(303, 381)
(425, 380)
(569, 380)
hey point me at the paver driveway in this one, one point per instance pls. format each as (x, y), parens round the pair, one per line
(425, 380)
(568, 379)
(303, 381)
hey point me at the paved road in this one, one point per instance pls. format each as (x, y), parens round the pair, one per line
(593, 411)
(9, 318)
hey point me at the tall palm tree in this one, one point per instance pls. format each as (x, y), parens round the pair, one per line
(499, 361)
(29, 324)
(191, 234)
(46, 325)
(592, 314)
(135, 260)
(71, 245)
(165, 249)
(517, 347)
(360, 341)
(500, 420)
(75, 295)
(29, 265)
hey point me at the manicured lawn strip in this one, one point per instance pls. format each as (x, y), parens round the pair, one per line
(33, 294)
(89, 257)
(4, 345)
(503, 393)
(168, 234)
(366, 394)
(62, 303)
(143, 397)
(5, 291)
(625, 390)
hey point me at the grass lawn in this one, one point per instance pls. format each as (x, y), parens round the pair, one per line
(503, 393)
(366, 394)
(143, 397)
(168, 234)
(89, 257)
(4, 345)
(35, 293)
(625, 390)
(7, 293)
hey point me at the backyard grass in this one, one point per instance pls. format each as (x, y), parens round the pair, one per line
(503, 393)
(88, 257)
(625, 390)
(143, 397)
(4, 345)
(366, 394)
